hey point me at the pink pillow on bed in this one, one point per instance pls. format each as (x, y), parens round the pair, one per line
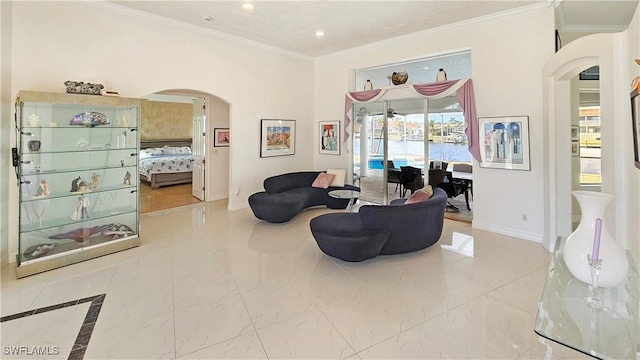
(323, 180)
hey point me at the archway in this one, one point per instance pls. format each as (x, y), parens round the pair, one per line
(557, 75)
(215, 115)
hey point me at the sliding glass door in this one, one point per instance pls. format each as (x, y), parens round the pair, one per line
(387, 136)
(394, 133)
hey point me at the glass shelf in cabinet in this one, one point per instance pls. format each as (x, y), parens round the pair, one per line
(77, 127)
(62, 194)
(54, 171)
(89, 150)
(95, 215)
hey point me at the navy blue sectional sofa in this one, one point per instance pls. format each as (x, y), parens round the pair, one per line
(381, 230)
(288, 194)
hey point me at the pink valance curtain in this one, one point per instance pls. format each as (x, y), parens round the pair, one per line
(464, 94)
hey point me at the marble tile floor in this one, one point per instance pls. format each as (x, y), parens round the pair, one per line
(207, 283)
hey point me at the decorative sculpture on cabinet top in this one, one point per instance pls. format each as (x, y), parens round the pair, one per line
(74, 87)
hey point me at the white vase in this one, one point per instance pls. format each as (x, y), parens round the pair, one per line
(580, 243)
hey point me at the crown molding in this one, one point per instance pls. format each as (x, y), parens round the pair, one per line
(593, 28)
(561, 21)
(123, 10)
(453, 26)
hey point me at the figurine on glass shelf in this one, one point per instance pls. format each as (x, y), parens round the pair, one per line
(33, 120)
(127, 179)
(43, 191)
(95, 181)
(76, 215)
(74, 184)
(82, 144)
(83, 186)
(82, 209)
(78, 185)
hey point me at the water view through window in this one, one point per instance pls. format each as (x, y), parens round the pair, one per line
(447, 141)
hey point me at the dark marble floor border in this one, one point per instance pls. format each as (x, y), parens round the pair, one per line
(84, 335)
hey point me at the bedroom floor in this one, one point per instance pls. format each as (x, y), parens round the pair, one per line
(207, 283)
(165, 197)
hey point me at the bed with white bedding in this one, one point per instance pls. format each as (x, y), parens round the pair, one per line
(165, 162)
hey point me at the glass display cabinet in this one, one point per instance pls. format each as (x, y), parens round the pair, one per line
(78, 175)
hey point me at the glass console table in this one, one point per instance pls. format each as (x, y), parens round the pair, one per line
(565, 317)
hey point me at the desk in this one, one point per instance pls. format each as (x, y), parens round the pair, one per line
(467, 181)
(352, 195)
(565, 317)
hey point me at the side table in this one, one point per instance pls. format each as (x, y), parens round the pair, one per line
(352, 195)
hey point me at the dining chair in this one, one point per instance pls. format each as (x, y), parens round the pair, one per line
(393, 175)
(466, 168)
(442, 179)
(438, 165)
(411, 179)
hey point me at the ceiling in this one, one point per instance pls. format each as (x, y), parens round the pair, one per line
(291, 25)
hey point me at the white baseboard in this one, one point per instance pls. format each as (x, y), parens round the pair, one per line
(220, 196)
(237, 206)
(525, 235)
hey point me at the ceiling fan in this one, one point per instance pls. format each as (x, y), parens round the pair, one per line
(391, 113)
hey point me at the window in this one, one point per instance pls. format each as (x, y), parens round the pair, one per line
(590, 145)
(447, 140)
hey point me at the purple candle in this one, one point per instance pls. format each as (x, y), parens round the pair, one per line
(596, 240)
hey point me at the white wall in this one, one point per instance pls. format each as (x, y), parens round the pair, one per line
(507, 54)
(137, 57)
(218, 177)
(6, 171)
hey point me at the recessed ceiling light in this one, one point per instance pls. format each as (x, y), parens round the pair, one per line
(208, 18)
(247, 6)
(426, 68)
(319, 33)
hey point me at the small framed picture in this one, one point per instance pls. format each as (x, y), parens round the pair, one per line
(575, 148)
(330, 137)
(221, 137)
(575, 133)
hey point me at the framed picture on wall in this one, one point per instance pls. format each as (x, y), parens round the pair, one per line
(504, 142)
(575, 133)
(277, 137)
(575, 148)
(330, 137)
(221, 137)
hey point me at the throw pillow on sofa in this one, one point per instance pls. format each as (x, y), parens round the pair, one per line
(428, 189)
(338, 181)
(323, 180)
(417, 196)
